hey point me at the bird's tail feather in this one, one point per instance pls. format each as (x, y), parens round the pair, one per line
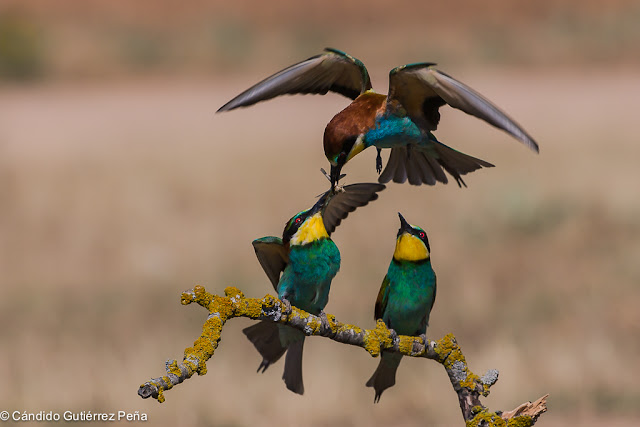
(292, 375)
(265, 337)
(457, 163)
(422, 166)
(385, 374)
(395, 169)
(408, 162)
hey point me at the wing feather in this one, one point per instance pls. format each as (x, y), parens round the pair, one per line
(338, 204)
(331, 71)
(422, 89)
(382, 299)
(272, 256)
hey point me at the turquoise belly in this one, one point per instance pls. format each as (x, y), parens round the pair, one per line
(306, 281)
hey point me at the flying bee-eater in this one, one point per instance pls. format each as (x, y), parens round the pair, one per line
(405, 299)
(402, 120)
(301, 267)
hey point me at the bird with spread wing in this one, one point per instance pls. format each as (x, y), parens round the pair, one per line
(301, 266)
(403, 120)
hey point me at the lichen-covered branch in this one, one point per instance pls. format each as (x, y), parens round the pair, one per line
(468, 386)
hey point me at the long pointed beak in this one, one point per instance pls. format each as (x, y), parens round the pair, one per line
(319, 204)
(335, 174)
(404, 225)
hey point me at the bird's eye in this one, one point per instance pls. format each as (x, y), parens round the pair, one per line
(421, 234)
(298, 220)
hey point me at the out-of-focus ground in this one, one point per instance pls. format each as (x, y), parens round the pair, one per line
(119, 188)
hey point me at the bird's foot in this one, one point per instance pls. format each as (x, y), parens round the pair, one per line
(379, 162)
(263, 366)
(395, 339)
(287, 306)
(324, 321)
(423, 337)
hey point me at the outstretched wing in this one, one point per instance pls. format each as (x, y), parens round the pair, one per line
(272, 256)
(339, 203)
(422, 90)
(383, 297)
(332, 70)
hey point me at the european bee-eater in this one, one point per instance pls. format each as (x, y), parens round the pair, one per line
(401, 120)
(406, 297)
(301, 267)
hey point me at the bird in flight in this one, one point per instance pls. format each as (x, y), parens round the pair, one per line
(403, 120)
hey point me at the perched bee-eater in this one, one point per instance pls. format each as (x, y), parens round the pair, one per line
(405, 298)
(401, 120)
(301, 267)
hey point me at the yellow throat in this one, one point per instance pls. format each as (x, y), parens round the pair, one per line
(410, 248)
(357, 148)
(310, 231)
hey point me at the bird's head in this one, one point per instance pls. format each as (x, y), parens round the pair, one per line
(412, 243)
(344, 135)
(340, 152)
(306, 226)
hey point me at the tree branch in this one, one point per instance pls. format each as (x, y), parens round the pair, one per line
(445, 351)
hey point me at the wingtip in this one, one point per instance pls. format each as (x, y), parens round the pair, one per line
(225, 107)
(535, 147)
(530, 143)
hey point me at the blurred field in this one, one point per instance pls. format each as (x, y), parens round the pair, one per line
(98, 39)
(117, 197)
(120, 188)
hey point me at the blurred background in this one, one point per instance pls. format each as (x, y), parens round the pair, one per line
(120, 188)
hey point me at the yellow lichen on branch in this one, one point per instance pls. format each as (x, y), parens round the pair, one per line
(446, 351)
(375, 340)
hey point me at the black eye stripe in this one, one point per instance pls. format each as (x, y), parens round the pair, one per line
(422, 236)
(293, 225)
